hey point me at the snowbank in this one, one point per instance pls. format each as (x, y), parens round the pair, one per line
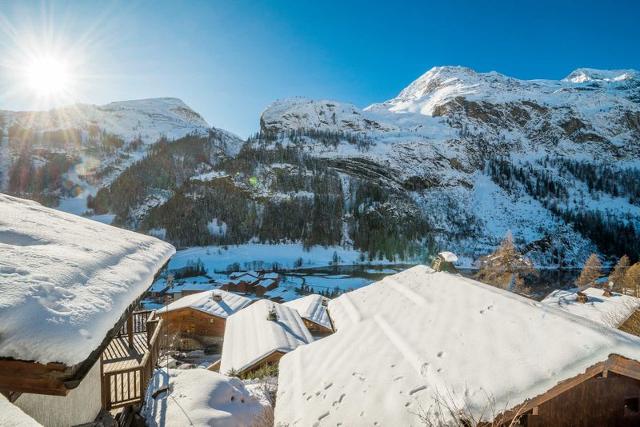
(66, 280)
(12, 416)
(610, 311)
(313, 308)
(420, 336)
(227, 304)
(249, 336)
(199, 397)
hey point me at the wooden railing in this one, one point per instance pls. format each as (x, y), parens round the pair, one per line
(128, 386)
(138, 323)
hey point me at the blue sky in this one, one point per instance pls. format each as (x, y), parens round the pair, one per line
(229, 59)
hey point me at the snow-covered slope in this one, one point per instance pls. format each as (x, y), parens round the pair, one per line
(439, 138)
(147, 119)
(65, 155)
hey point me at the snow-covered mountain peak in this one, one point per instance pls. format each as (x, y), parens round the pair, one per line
(583, 75)
(147, 119)
(305, 113)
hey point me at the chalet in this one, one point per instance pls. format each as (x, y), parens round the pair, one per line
(242, 282)
(71, 343)
(259, 335)
(600, 305)
(263, 286)
(198, 320)
(313, 310)
(191, 286)
(421, 347)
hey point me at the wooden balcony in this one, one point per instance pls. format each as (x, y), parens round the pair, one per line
(128, 361)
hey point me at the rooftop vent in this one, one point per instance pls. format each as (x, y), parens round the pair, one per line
(217, 297)
(272, 315)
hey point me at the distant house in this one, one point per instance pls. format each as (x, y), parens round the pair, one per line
(262, 286)
(198, 320)
(260, 334)
(313, 310)
(420, 347)
(241, 282)
(190, 286)
(68, 290)
(616, 310)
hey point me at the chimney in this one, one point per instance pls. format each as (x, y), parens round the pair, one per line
(216, 297)
(582, 297)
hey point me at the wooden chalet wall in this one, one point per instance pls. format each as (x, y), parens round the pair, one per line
(598, 401)
(189, 322)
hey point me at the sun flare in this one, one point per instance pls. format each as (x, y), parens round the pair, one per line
(48, 77)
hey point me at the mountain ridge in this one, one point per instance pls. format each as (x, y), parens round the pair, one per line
(454, 161)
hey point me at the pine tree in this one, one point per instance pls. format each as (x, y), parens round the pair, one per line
(631, 281)
(591, 271)
(506, 267)
(617, 275)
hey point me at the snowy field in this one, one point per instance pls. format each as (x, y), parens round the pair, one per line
(257, 256)
(314, 269)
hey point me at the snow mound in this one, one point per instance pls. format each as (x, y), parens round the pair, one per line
(421, 336)
(448, 256)
(249, 335)
(215, 302)
(610, 311)
(66, 280)
(198, 397)
(12, 416)
(313, 308)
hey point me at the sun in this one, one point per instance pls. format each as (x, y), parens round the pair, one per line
(48, 77)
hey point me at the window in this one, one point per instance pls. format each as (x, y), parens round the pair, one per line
(631, 406)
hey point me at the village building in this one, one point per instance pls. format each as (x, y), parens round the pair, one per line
(259, 335)
(68, 290)
(313, 310)
(422, 346)
(198, 321)
(241, 282)
(263, 286)
(600, 305)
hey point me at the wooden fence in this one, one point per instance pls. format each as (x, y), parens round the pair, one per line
(128, 386)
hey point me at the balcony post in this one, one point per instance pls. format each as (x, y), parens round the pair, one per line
(130, 330)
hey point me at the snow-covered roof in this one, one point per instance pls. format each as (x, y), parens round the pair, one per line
(12, 416)
(311, 307)
(610, 311)
(271, 275)
(244, 275)
(265, 283)
(421, 336)
(66, 280)
(199, 397)
(448, 256)
(249, 336)
(204, 301)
